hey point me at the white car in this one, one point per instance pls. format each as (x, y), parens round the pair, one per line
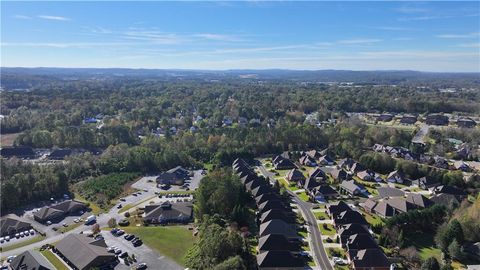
(10, 258)
(2, 239)
(49, 222)
(339, 261)
(7, 238)
(76, 220)
(32, 231)
(17, 235)
(22, 234)
(26, 233)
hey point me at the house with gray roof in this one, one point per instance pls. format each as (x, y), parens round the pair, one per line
(30, 260)
(57, 212)
(276, 242)
(12, 224)
(82, 252)
(277, 226)
(166, 212)
(395, 177)
(294, 176)
(351, 188)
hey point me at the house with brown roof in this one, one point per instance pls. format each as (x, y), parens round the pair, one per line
(339, 174)
(322, 193)
(366, 175)
(82, 252)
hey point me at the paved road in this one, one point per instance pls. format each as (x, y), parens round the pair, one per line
(320, 255)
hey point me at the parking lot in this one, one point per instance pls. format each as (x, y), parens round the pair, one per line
(143, 254)
(148, 183)
(14, 240)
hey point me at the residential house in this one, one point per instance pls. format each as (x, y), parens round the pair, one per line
(260, 190)
(175, 176)
(395, 177)
(278, 226)
(466, 122)
(458, 193)
(461, 165)
(440, 162)
(366, 175)
(30, 260)
(345, 231)
(266, 197)
(227, 121)
(350, 188)
(408, 119)
(425, 183)
(326, 160)
(294, 176)
(445, 199)
(386, 192)
(318, 174)
(369, 205)
(419, 200)
(82, 252)
(323, 193)
(23, 152)
(307, 161)
(346, 163)
(286, 216)
(368, 259)
(12, 224)
(386, 117)
(339, 174)
(436, 119)
(349, 217)
(315, 154)
(336, 209)
(167, 212)
(281, 163)
(310, 184)
(271, 205)
(356, 167)
(400, 205)
(58, 211)
(276, 242)
(383, 209)
(278, 260)
(360, 241)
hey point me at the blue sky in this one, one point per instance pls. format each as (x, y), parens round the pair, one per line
(426, 36)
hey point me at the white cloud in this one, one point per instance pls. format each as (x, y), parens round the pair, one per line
(53, 18)
(359, 41)
(63, 45)
(217, 37)
(470, 45)
(437, 17)
(454, 36)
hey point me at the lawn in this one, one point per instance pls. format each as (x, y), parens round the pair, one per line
(171, 241)
(321, 215)
(69, 227)
(286, 184)
(372, 219)
(335, 252)
(303, 196)
(130, 205)
(327, 230)
(32, 240)
(54, 260)
(425, 244)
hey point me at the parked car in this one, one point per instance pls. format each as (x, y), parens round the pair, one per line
(10, 258)
(76, 220)
(32, 231)
(129, 237)
(339, 261)
(141, 266)
(17, 235)
(7, 238)
(123, 255)
(119, 206)
(2, 239)
(111, 249)
(117, 251)
(26, 233)
(137, 243)
(123, 200)
(124, 222)
(49, 222)
(120, 233)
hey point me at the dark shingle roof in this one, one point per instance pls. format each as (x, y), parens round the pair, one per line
(31, 260)
(366, 258)
(179, 210)
(82, 251)
(385, 192)
(275, 242)
(286, 216)
(278, 258)
(361, 241)
(11, 224)
(277, 226)
(348, 217)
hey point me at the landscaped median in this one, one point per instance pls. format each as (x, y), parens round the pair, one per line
(36, 238)
(54, 260)
(171, 241)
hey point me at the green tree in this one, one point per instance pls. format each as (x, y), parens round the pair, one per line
(430, 264)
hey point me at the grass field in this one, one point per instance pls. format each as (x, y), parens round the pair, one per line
(171, 241)
(425, 244)
(8, 139)
(32, 240)
(54, 260)
(372, 219)
(327, 230)
(130, 205)
(303, 196)
(321, 215)
(70, 227)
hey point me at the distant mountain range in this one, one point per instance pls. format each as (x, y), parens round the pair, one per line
(358, 77)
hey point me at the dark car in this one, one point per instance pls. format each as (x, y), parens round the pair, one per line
(123, 255)
(141, 266)
(114, 230)
(137, 243)
(129, 237)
